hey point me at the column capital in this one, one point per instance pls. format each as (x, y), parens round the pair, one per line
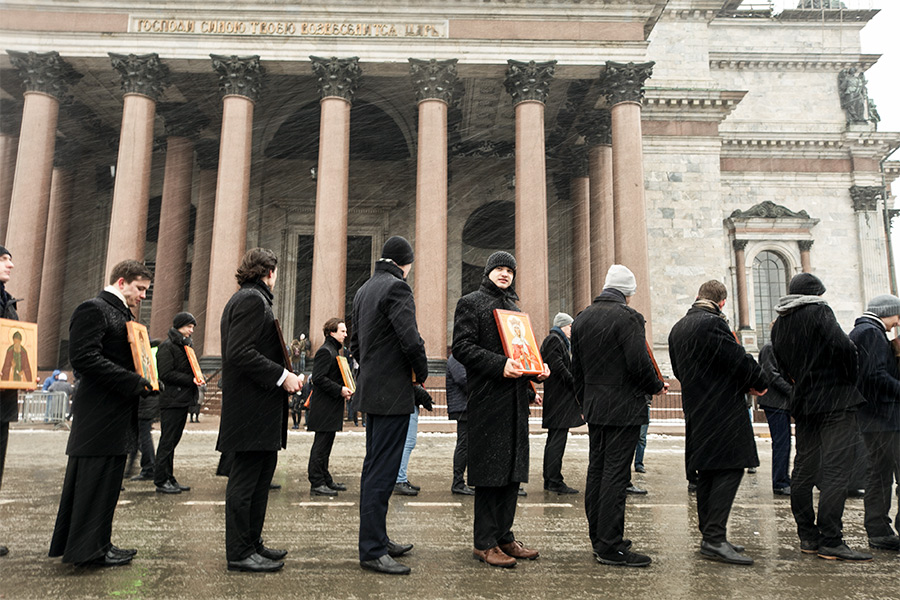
(207, 151)
(67, 154)
(597, 128)
(739, 245)
(435, 80)
(624, 82)
(337, 77)
(11, 123)
(239, 75)
(183, 119)
(529, 80)
(805, 245)
(142, 74)
(866, 197)
(44, 72)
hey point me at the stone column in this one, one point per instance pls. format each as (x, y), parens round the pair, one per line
(624, 88)
(10, 124)
(597, 131)
(873, 269)
(740, 274)
(53, 273)
(528, 84)
(47, 78)
(240, 81)
(183, 123)
(143, 79)
(338, 79)
(579, 190)
(436, 84)
(805, 246)
(207, 160)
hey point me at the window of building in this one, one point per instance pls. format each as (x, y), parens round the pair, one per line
(770, 280)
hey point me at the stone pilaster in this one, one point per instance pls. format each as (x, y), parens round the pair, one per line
(873, 270)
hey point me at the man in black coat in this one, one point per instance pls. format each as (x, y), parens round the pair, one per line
(777, 406)
(715, 373)
(390, 351)
(499, 395)
(613, 376)
(104, 419)
(457, 392)
(812, 350)
(325, 414)
(560, 409)
(879, 417)
(181, 388)
(256, 383)
(9, 399)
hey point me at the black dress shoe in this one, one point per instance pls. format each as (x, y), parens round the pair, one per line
(413, 486)
(394, 549)
(255, 564)
(843, 552)
(724, 552)
(463, 490)
(808, 547)
(522, 492)
(4, 550)
(271, 553)
(323, 490)
(624, 558)
(385, 564)
(633, 489)
(404, 489)
(168, 488)
(736, 547)
(183, 488)
(882, 542)
(782, 491)
(274, 486)
(122, 551)
(338, 487)
(692, 488)
(563, 489)
(639, 469)
(107, 560)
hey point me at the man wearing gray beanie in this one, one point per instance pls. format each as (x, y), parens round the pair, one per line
(879, 417)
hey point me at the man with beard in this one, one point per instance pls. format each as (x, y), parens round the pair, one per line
(9, 399)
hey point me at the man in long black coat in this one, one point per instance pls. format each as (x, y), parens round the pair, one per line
(715, 373)
(104, 419)
(560, 409)
(390, 351)
(256, 383)
(814, 352)
(9, 399)
(613, 377)
(325, 414)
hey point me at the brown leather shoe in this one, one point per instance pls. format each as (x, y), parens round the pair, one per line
(494, 557)
(517, 549)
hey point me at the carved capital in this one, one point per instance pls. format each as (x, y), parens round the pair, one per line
(337, 77)
(142, 74)
(435, 80)
(44, 72)
(207, 154)
(866, 197)
(183, 120)
(10, 117)
(624, 82)
(739, 245)
(597, 128)
(239, 75)
(805, 245)
(529, 81)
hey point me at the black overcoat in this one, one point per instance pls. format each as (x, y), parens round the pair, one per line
(9, 399)
(175, 372)
(385, 341)
(561, 410)
(715, 374)
(497, 406)
(326, 407)
(879, 377)
(456, 389)
(105, 406)
(254, 406)
(778, 395)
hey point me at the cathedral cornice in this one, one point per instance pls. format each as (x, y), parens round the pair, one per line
(686, 104)
(768, 61)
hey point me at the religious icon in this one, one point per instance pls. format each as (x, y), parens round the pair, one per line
(195, 364)
(346, 374)
(518, 340)
(18, 342)
(144, 365)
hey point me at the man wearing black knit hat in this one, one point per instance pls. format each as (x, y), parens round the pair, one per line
(812, 350)
(9, 399)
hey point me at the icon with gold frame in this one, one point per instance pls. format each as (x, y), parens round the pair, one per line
(144, 364)
(518, 340)
(18, 343)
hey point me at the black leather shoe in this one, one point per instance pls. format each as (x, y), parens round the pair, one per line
(563, 489)
(522, 492)
(414, 486)
(782, 491)
(107, 560)
(724, 552)
(385, 564)
(404, 489)
(692, 488)
(255, 564)
(633, 489)
(736, 547)
(274, 486)
(183, 488)
(843, 552)
(4, 550)
(394, 549)
(323, 490)
(624, 558)
(338, 487)
(885, 542)
(168, 488)
(463, 490)
(142, 477)
(751, 470)
(122, 551)
(639, 469)
(271, 553)
(808, 547)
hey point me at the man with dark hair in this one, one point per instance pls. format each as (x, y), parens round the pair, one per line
(715, 374)
(9, 399)
(325, 414)
(104, 419)
(390, 351)
(256, 381)
(813, 351)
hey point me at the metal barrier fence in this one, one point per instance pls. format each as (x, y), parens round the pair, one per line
(46, 407)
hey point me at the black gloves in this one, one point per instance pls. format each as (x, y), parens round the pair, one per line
(422, 398)
(144, 388)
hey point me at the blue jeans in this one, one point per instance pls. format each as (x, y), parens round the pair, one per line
(642, 443)
(410, 444)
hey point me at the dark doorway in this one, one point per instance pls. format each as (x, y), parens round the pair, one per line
(359, 268)
(304, 285)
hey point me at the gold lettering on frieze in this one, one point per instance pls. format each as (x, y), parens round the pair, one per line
(287, 28)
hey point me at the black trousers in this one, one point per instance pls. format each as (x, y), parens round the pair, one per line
(884, 464)
(4, 442)
(609, 471)
(171, 424)
(461, 453)
(495, 511)
(86, 508)
(145, 445)
(553, 457)
(246, 499)
(860, 466)
(822, 442)
(317, 468)
(385, 438)
(716, 490)
(780, 429)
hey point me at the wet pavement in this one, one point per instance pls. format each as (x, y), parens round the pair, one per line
(180, 538)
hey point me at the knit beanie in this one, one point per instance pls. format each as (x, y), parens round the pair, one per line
(620, 277)
(3, 251)
(182, 319)
(806, 284)
(397, 249)
(562, 319)
(885, 305)
(500, 259)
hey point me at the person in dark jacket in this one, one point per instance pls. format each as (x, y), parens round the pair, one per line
(776, 404)
(325, 415)
(181, 389)
(104, 419)
(456, 411)
(9, 399)
(715, 373)
(560, 410)
(256, 383)
(613, 377)
(813, 352)
(148, 413)
(879, 417)
(497, 408)
(390, 351)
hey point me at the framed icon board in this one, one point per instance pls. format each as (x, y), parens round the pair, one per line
(18, 343)
(144, 364)
(195, 364)
(347, 373)
(518, 340)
